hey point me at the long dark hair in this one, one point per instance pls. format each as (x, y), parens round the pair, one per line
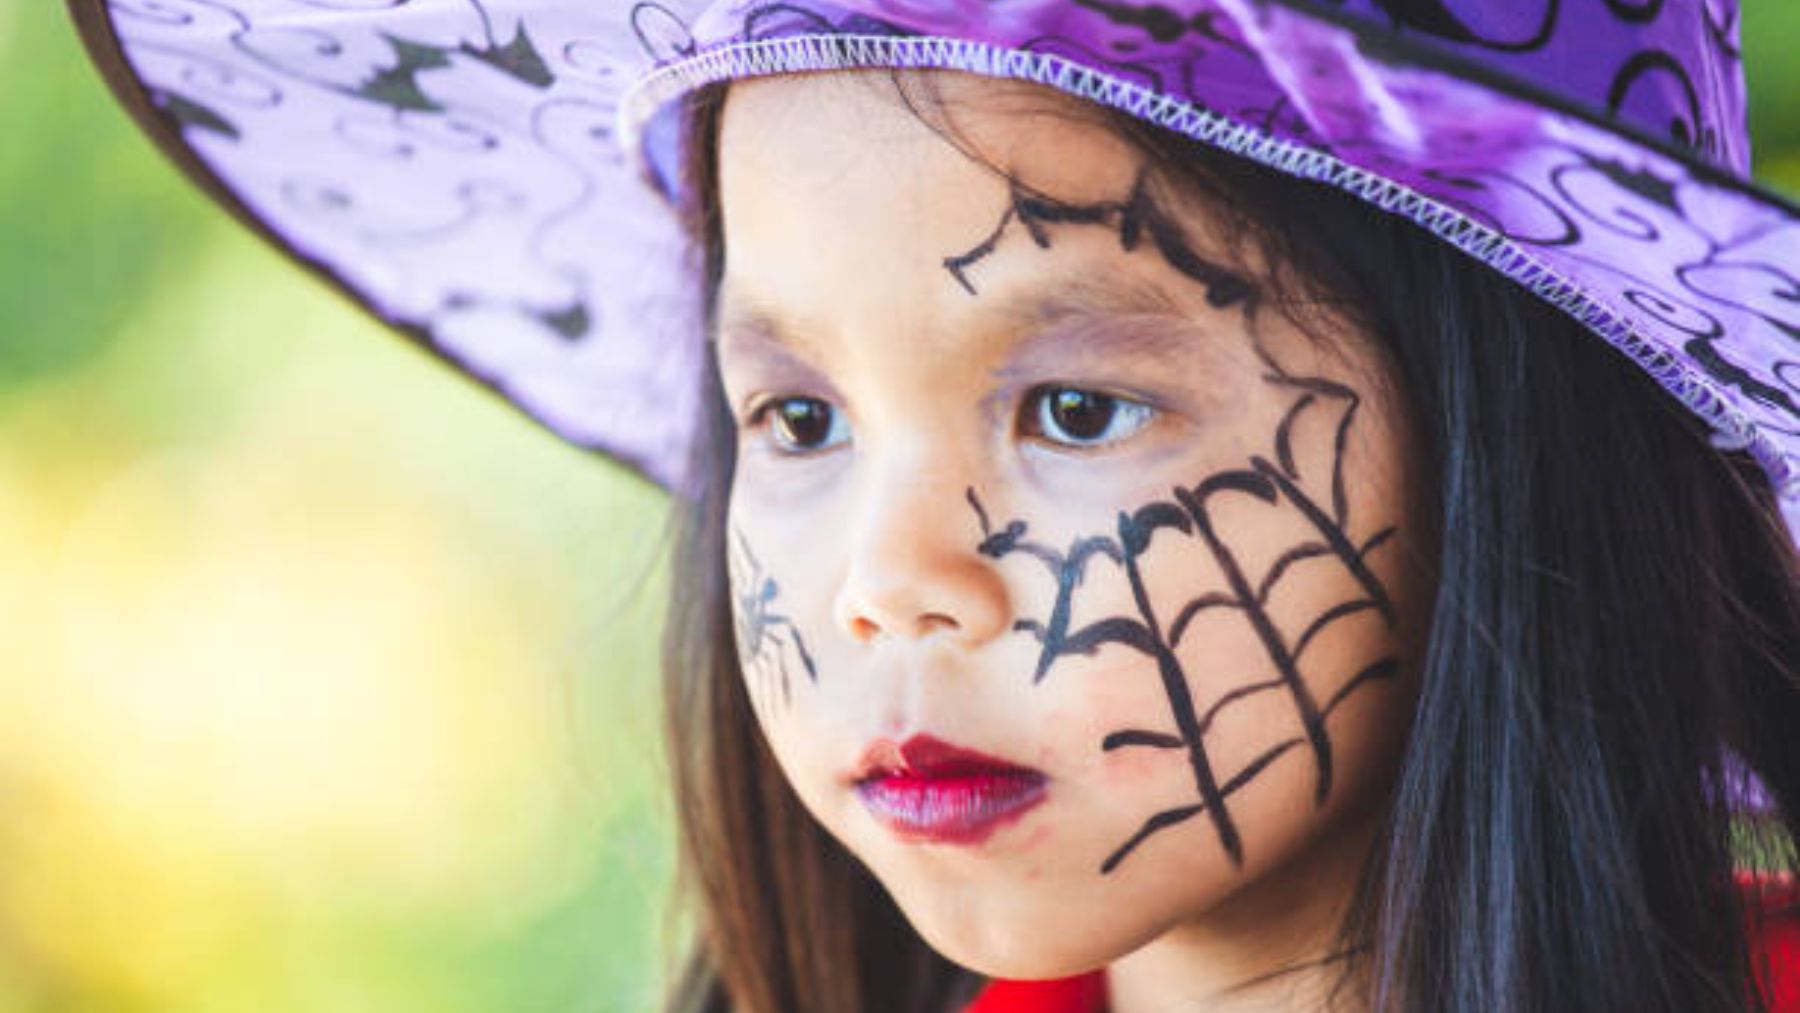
(1614, 635)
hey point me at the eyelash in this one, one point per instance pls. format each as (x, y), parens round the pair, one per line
(1030, 416)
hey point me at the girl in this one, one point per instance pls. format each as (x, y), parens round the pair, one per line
(1189, 506)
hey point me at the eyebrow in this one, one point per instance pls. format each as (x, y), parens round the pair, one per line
(1095, 321)
(760, 331)
(1069, 317)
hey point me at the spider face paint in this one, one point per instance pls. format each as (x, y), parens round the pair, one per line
(1030, 472)
(770, 646)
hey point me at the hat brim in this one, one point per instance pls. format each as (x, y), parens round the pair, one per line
(654, 447)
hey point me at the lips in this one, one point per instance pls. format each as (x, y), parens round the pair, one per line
(926, 789)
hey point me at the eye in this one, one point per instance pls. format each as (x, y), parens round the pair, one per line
(801, 425)
(1082, 418)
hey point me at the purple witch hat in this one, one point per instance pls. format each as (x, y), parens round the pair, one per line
(491, 176)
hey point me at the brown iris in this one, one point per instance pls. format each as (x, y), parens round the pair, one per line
(1071, 415)
(801, 423)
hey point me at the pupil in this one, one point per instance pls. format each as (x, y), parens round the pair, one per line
(804, 423)
(1082, 414)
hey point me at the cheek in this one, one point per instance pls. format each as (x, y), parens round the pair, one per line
(776, 613)
(1265, 685)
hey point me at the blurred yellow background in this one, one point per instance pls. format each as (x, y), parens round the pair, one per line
(326, 681)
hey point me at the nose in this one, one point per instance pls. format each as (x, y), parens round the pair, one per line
(914, 570)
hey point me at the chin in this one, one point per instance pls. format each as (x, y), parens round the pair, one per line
(1010, 937)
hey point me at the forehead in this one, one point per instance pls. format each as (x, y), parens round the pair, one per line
(849, 119)
(851, 203)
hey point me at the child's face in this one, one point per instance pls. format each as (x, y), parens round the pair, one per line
(1033, 468)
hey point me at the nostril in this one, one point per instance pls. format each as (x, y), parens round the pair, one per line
(864, 629)
(932, 622)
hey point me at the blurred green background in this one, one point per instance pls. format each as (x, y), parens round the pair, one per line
(326, 683)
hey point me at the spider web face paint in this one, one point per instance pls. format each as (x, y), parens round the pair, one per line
(1188, 512)
(1135, 218)
(1273, 479)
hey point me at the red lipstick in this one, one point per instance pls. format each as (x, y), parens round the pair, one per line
(925, 789)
